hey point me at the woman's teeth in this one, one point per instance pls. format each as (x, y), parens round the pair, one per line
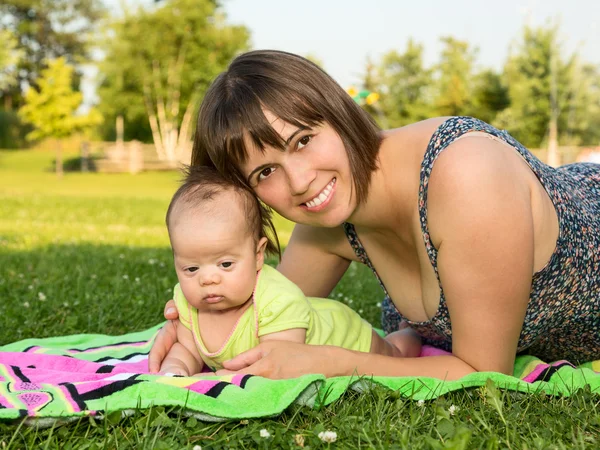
(322, 196)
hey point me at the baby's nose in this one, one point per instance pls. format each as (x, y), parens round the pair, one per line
(209, 278)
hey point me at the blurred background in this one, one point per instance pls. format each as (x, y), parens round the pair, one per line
(115, 83)
(97, 106)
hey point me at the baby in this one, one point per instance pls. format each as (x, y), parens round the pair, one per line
(229, 300)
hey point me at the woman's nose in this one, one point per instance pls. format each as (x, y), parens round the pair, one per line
(300, 177)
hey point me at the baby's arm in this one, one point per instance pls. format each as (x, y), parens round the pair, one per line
(183, 358)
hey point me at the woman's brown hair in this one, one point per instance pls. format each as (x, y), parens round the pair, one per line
(295, 90)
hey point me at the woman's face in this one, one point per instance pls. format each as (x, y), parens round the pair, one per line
(310, 182)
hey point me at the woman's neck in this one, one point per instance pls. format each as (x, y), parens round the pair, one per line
(392, 199)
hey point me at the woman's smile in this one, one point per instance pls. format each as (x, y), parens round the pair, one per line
(321, 200)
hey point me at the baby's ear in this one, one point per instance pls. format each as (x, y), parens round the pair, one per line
(260, 252)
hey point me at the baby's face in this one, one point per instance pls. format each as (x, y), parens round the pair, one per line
(216, 258)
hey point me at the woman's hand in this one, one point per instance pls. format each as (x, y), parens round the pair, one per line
(282, 359)
(166, 337)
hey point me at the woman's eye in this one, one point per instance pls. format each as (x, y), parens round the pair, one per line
(303, 141)
(265, 173)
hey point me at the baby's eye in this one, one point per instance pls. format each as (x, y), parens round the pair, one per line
(267, 171)
(303, 141)
(191, 269)
(226, 264)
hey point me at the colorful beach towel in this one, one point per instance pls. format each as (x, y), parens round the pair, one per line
(71, 376)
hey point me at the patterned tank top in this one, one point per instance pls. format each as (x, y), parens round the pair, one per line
(562, 320)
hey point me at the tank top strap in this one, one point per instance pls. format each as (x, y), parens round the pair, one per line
(448, 132)
(360, 252)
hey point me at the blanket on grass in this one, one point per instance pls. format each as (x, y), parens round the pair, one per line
(71, 376)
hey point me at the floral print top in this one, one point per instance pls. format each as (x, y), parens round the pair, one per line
(562, 320)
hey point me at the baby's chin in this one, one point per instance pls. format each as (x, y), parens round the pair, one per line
(220, 303)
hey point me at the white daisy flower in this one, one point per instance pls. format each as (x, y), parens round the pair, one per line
(328, 436)
(264, 433)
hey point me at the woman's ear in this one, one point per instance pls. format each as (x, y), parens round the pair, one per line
(260, 252)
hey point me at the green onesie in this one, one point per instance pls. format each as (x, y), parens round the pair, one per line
(279, 305)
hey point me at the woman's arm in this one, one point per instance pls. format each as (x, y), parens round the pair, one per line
(481, 221)
(316, 259)
(279, 360)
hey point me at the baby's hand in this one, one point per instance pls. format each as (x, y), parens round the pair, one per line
(173, 370)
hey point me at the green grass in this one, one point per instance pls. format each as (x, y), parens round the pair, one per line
(89, 254)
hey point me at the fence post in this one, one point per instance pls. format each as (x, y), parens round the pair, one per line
(136, 162)
(85, 156)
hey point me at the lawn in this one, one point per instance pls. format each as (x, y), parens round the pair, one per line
(89, 254)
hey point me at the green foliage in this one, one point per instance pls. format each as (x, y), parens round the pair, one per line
(47, 29)
(454, 78)
(582, 108)
(149, 41)
(533, 69)
(537, 79)
(10, 57)
(12, 130)
(489, 96)
(405, 86)
(51, 110)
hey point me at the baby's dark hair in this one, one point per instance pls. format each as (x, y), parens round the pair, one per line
(202, 183)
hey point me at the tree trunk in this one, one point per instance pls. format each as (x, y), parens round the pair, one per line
(85, 156)
(553, 153)
(7, 102)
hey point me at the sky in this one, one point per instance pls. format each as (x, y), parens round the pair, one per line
(344, 33)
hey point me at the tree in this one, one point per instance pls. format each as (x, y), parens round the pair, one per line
(539, 80)
(10, 56)
(160, 79)
(52, 109)
(454, 78)
(489, 96)
(582, 109)
(47, 29)
(404, 84)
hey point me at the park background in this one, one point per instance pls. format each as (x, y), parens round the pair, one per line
(97, 106)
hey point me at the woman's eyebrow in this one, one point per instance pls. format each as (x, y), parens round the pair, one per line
(287, 143)
(257, 169)
(291, 137)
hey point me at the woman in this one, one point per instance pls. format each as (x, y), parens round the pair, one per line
(481, 248)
